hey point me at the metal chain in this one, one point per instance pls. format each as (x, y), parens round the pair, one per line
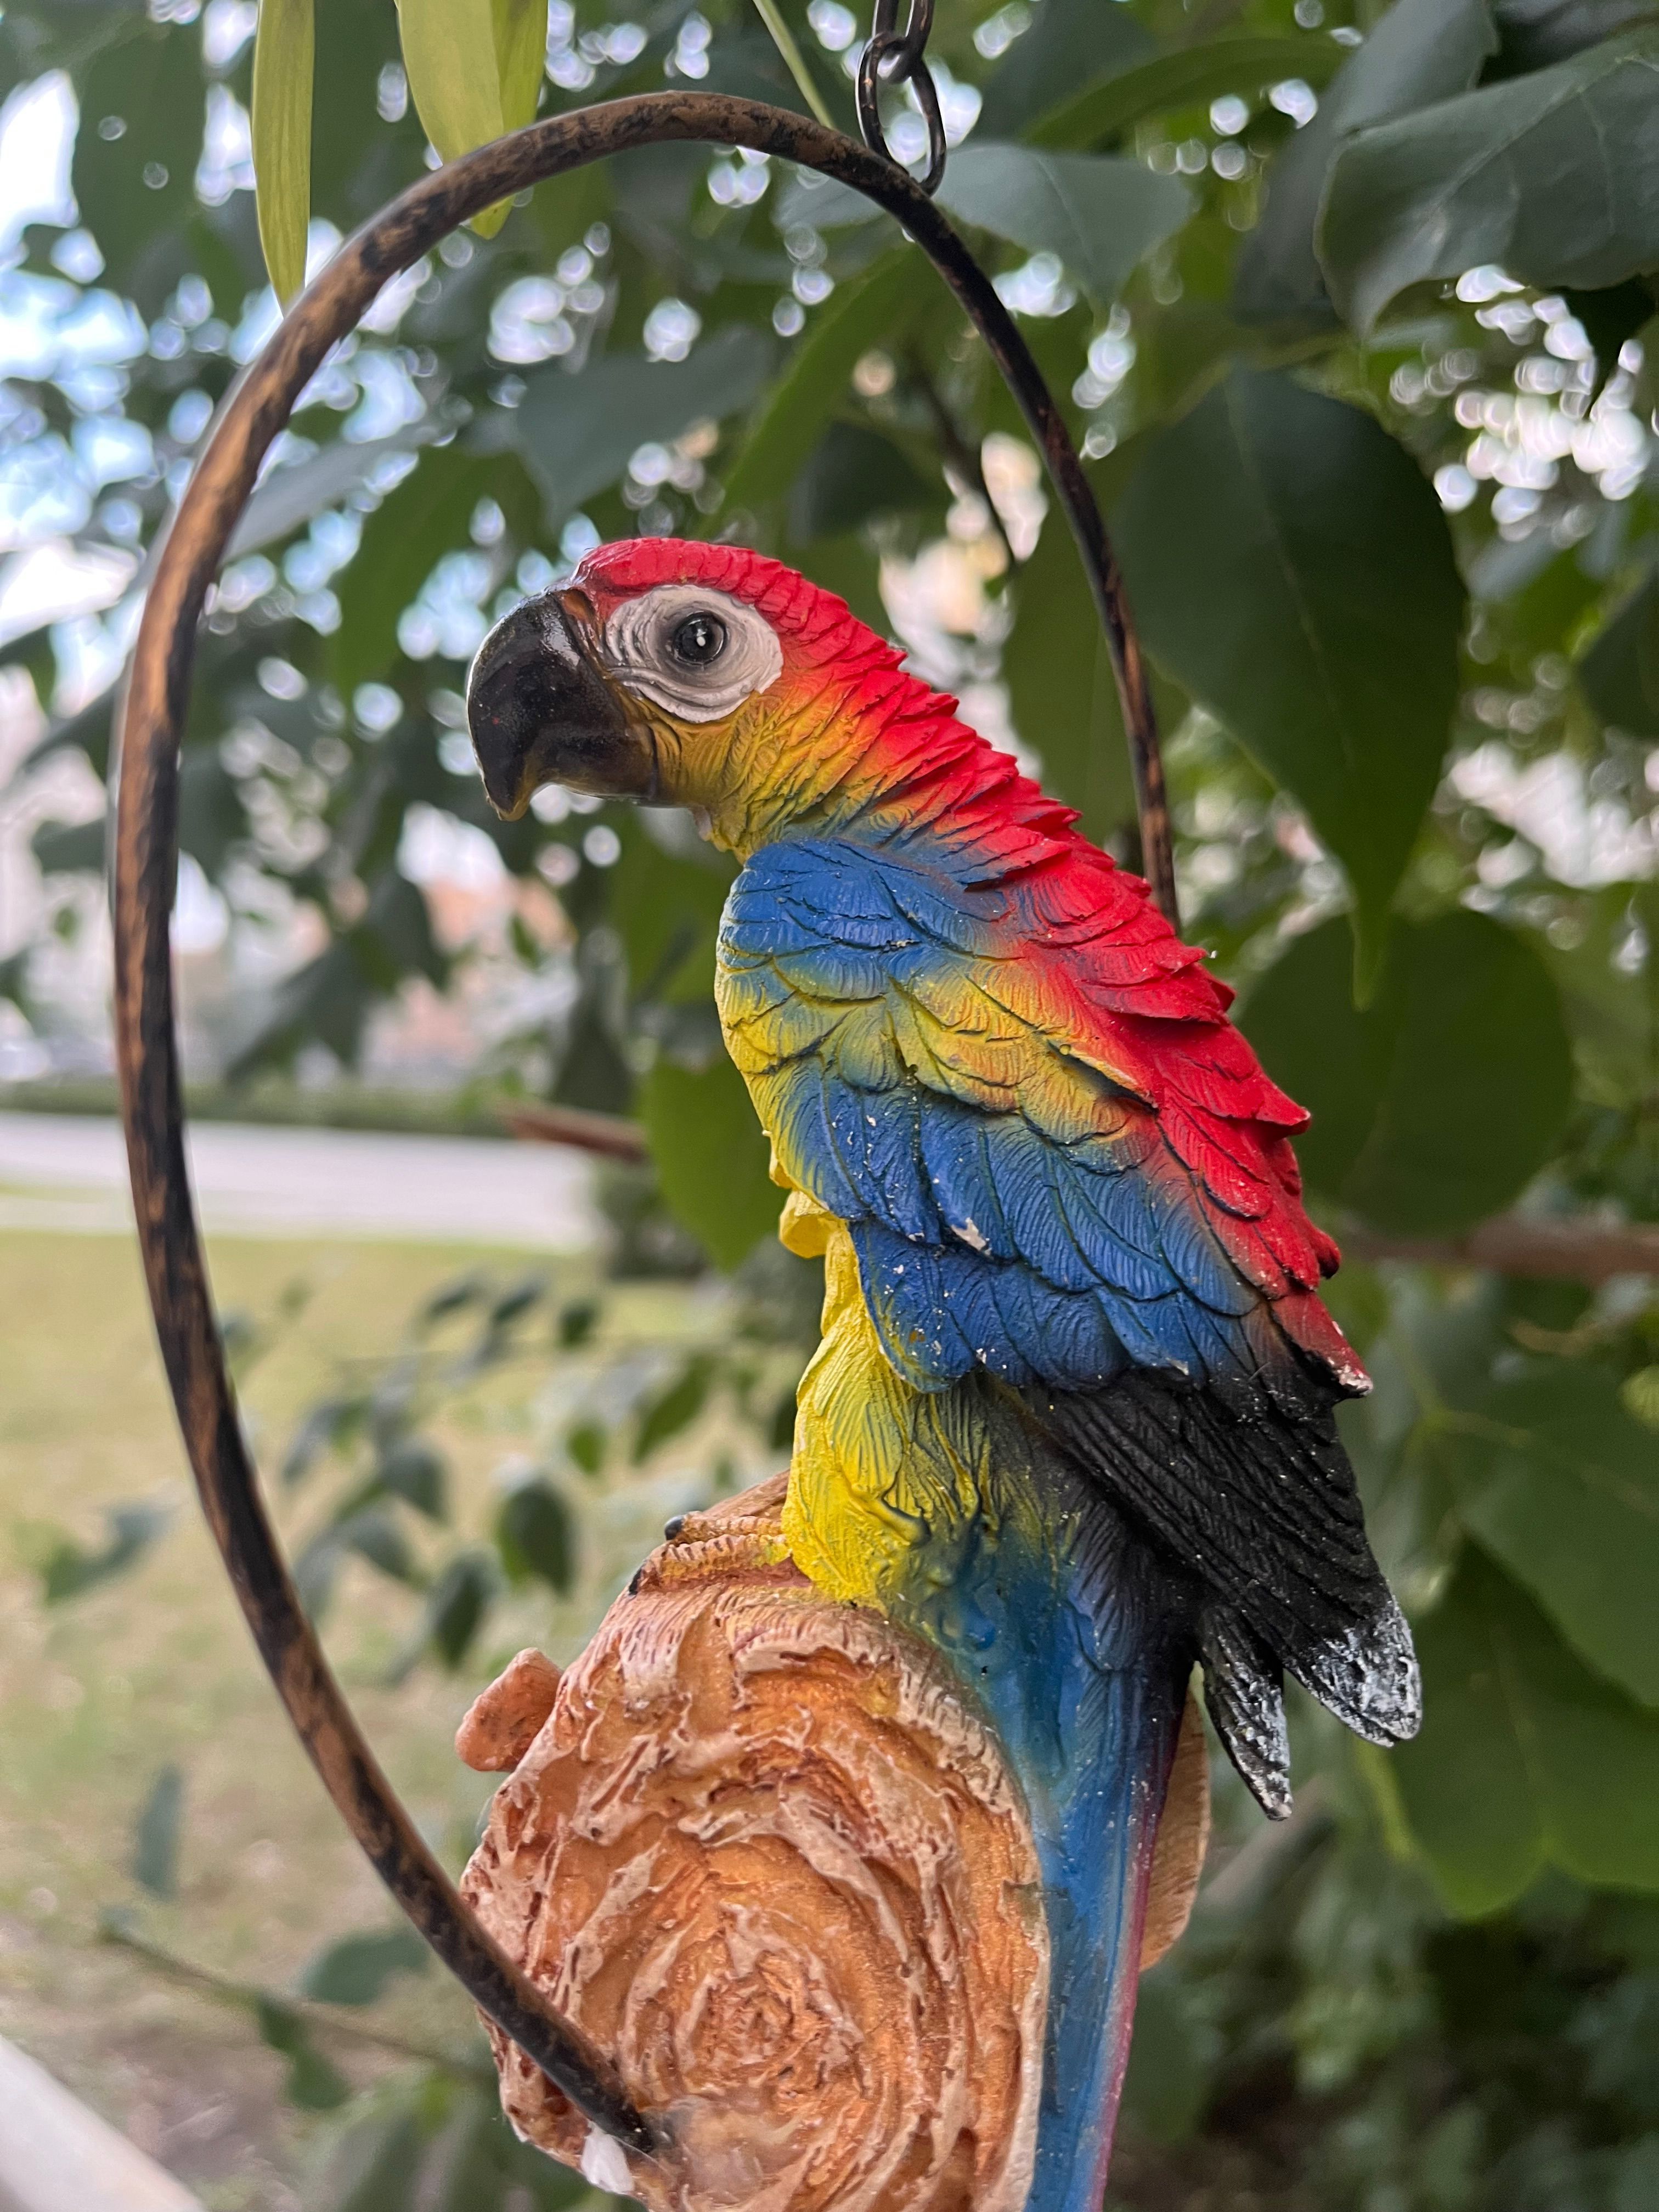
(895, 56)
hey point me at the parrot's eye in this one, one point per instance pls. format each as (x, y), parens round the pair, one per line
(697, 652)
(700, 639)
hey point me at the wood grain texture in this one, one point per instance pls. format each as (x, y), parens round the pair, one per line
(765, 1855)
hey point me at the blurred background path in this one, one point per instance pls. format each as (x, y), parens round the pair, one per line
(66, 1171)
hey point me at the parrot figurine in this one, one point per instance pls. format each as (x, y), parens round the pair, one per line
(1072, 1417)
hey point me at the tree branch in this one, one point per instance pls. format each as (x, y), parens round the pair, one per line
(1574, 1249)
(959, 453)
(247, 1996)
(607, 1135)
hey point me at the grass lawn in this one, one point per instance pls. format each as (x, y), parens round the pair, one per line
(97, 1694)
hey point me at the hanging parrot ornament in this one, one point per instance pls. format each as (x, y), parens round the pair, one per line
(1071, 1419)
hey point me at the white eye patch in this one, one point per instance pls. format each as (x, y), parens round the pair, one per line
(695, 652)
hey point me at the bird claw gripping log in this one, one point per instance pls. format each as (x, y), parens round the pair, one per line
(1068, 1434)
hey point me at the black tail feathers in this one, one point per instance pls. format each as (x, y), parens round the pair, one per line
(1244, 1696)
(1367, 1677)
(1256, 1510)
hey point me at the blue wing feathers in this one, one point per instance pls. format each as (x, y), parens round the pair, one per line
(955, 1147)
(1039, 1253)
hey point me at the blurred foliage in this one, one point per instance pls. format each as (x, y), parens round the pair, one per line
(712, 1408)
(1354, 322)
(616, 1407)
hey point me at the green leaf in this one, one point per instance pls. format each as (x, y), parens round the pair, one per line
(136, 155)
(1562, 1485)
(860, 315)
(1061, 686)
(1613, 1010)
(520, 58)
(667, 907)
(1610, 316)
(576, 433)
(1184, 78)
(1070, 43)
(450, 59)
(212, 816)
(1291, 569)
(456, 1605)
(374, 1534)
(453, 52)
(476, 2164)
(67, 848)
(1526, 1758)
(394, 939)
(325, 1426)
(374, 2167)
(587, 1444)
(853, 474)
(156, 1833)
(1619, 674)
(357, 161)
(824, 205)
(1440, 1101)
(1182, 350)
(328, 998)
(1098, 213)
(675, 1408)
(418, 521)
(795, 61)
(15, 981)
(69, 1570)
(313, 2084)
(453, 1298)
(418, 1473)
(1421, 50)
(850, 567)
(1172, 2060)
(461, 2172)
(358, 1970)
(1533, 34)
(712, 1158)
(315, 1572)
(283, 53)
(1555, 177)
(577, 1322)
(536, 1535)
(295, 494)
(517, 1300)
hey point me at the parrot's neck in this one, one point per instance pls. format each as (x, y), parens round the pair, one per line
(872, 754)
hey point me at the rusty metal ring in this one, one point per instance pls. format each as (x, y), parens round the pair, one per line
(917, 25)
(889, 58)
(150, 724)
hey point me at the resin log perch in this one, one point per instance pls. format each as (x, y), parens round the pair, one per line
(760, 1847)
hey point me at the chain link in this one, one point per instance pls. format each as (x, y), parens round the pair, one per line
(895, 56)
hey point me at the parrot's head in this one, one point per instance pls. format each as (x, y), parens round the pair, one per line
(677, 674)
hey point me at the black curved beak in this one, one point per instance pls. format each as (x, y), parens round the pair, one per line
(541, 709)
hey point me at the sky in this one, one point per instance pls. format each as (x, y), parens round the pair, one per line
(37, 140)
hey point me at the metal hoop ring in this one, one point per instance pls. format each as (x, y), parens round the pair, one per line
(150, 724)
